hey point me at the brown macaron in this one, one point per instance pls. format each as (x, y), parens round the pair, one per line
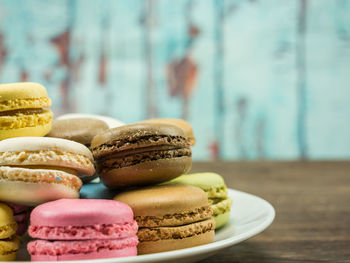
(184, 125)
(170, 217)
(141, 154)
(81, 130)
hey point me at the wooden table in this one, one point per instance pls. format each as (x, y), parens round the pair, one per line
(312, 203)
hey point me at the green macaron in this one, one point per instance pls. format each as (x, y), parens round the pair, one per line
(214, 186)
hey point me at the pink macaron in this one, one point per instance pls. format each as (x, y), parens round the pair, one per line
(74, 229)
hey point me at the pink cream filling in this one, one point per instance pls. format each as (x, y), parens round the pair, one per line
(110, 231)
(56, 248)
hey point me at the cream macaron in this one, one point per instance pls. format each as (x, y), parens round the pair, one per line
(35, 170)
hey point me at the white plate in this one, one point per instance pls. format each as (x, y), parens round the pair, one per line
(250, 215)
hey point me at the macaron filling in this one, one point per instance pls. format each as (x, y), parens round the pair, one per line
(137, 142)
(177, 232)
(57, 248)
(130, 158)
(99, 231)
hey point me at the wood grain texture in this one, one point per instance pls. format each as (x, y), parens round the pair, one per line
(311, 200)
(256, 79)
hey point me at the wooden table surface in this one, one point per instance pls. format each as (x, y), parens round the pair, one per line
(312, 203)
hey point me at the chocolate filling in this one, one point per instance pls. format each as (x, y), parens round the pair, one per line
(21, 111)
(138, 143)
(131, 158)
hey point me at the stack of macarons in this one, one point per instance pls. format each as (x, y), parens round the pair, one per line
(158, 208)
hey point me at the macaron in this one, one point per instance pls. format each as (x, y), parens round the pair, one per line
(214, 186)
(34, 170)
(81, 130)
(184, 125)
(140, 154)
(22, 110)
(9, 242)
(111, 122)
(21, 215)
(170, 217)
(75, 229)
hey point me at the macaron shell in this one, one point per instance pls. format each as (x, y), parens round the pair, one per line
(134, 131)
(206, 181)
(81, 212)
(163, 200)
(6, 215)
(80, 130)
(149, 247)
(8, 257)
(125, 252)
(80, 248)
(111, 122)
(32, 194)
(221, 219)
(146, 173)
(38, 131)
(22, 90)
(175, 232)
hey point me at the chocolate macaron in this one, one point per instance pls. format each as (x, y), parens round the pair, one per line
(81, 130)
(141, 154)
(170, 217)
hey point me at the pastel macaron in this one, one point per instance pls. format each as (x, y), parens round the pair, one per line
(170, 217)
(81, 130)
(111, 122)
(75, 229)
(215, 188)
(9, 242)
(35, 170)
(182, 124)
(22, 110)
(141, 154)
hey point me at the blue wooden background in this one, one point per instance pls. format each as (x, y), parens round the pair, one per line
(263, 79)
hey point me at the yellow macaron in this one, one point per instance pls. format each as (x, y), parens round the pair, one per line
(9, 242)
(22, 110)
